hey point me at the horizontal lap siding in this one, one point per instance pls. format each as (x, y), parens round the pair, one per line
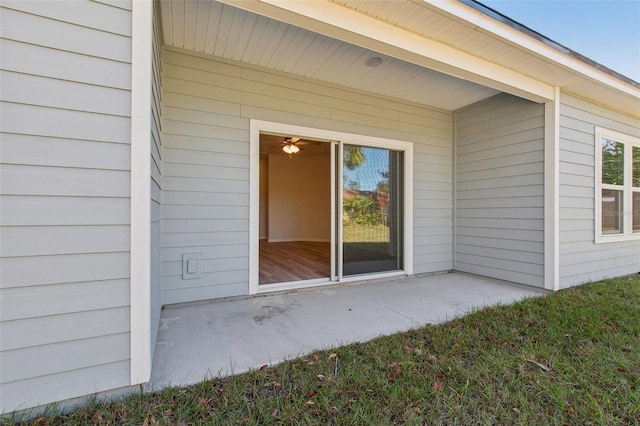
(207, 105)
(499, 189)
(65, 200)
(581, 260)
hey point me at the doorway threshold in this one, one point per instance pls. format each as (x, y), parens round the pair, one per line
(319, 282)
(293, 285)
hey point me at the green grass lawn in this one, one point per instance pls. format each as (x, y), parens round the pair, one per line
(571, 357)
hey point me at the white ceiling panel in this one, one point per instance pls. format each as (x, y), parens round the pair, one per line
(210, 27)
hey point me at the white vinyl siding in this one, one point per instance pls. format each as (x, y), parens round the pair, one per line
(207, 105)
(65, 200)
(581, 259)
(500, 190)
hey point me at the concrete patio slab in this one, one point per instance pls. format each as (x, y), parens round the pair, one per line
(232, 336)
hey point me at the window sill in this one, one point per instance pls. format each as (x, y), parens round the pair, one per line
(617, 238)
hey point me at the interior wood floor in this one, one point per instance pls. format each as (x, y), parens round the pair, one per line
(294, 261)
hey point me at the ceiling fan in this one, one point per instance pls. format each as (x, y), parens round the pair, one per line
(290, 145)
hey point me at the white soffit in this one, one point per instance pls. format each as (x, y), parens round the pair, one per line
(440, 53)
(347, 25)
(471, 31)
(225, 31)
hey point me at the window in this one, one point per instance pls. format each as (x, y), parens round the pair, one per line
(617, 186)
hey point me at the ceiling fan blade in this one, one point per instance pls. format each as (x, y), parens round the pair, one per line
(308, 142)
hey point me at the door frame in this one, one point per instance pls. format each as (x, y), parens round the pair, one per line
(258, 126)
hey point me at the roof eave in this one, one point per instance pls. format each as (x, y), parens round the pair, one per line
(546, 40)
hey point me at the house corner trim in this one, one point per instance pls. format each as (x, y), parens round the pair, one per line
(552, 193)
(140, 278)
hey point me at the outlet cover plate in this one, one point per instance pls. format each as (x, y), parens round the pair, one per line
(191, 266)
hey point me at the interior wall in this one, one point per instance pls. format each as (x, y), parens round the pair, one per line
(264, 198)
(299, 206)
(500, 190)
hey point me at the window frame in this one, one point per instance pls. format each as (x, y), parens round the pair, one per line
(627, 188)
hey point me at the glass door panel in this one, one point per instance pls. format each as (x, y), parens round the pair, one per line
(372, 213)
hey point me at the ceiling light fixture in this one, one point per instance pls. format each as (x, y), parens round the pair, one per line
(373, 62)
(290, 148)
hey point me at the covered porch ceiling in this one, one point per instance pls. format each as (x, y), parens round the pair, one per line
(442, 54)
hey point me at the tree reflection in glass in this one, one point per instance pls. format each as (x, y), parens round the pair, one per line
(636, 166)
(612, 162)
(372, 210)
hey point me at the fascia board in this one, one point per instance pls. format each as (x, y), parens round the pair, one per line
(517, 38)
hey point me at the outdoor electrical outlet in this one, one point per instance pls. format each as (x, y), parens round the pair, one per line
(191, 266)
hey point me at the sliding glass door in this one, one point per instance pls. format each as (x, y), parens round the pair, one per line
(343, 194)
(372, 210)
